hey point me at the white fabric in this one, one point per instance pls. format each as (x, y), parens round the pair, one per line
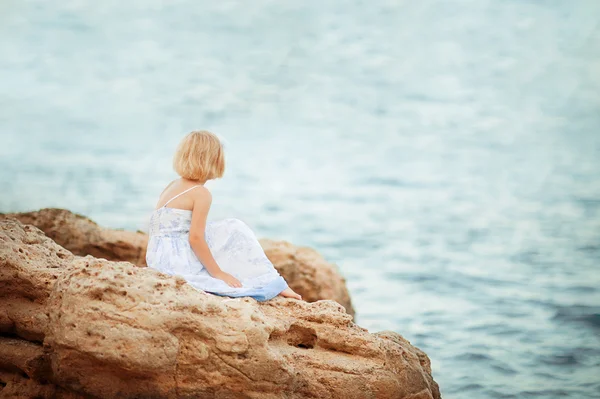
(233, 245)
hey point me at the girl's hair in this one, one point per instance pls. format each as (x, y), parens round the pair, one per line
(199, 156)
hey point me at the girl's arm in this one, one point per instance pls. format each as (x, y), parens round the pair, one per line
(202, 201)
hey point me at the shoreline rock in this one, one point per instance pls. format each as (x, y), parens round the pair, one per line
(112, 330)
(305, 270)
(82, 236)
(308, 273)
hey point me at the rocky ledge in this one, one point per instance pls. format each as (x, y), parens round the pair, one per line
(82, 327)
(305, 270)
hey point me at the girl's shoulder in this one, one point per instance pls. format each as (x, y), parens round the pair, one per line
(200, 188)
(201, 191)
(198, 192)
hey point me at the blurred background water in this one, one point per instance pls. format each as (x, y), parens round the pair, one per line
(445, 154)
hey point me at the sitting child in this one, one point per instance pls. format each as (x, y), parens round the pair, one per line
(221, 257)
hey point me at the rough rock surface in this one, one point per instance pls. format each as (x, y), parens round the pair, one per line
(303, 268)
(82, 236)
(113, 330)
(308, 273)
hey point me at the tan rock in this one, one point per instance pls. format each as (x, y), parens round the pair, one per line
(119, 331)
(22, 356)
(30, 263)
(82, 236)
(303, 268)
(308, 273)
(16, 386)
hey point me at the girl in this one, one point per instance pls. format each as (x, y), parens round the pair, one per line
(222, 257)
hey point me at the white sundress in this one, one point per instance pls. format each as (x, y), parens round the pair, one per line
(231, 242)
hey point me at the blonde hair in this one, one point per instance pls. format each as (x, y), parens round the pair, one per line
(199, 156)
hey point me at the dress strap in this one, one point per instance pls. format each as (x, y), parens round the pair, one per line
(181, 193)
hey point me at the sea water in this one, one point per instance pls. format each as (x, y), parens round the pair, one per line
(444, 154)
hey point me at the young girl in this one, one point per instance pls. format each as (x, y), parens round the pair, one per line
(222, 257)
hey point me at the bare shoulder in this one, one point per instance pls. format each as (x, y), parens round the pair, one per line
(201, 194)
(202, 200)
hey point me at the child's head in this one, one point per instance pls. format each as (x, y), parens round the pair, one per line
(199, 157)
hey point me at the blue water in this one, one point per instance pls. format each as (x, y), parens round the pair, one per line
(445, 154)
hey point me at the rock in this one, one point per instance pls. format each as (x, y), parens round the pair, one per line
(18, 355)
(308, 273)
(16, 386)
(113, 330)
(303, 268)
(30, 263)
(82, 236)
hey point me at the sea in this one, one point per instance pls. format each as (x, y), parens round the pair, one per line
(444, 154)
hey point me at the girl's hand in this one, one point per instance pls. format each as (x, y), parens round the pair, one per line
(229, 279)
